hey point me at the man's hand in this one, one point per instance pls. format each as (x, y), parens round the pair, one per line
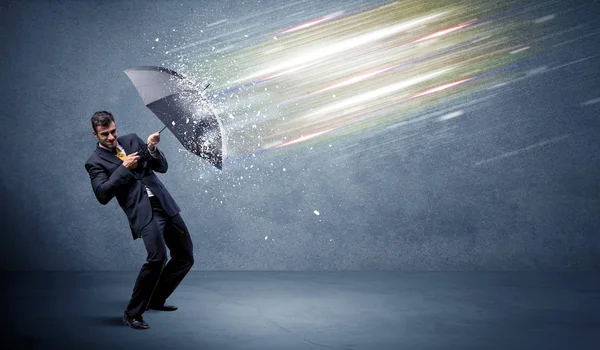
(131, 160)
(153, 140)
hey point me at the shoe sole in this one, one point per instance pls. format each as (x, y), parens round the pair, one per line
(167, 310)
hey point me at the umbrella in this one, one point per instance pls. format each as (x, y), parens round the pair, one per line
(183, 110)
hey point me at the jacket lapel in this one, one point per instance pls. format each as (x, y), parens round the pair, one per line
(106, 155)
(127, 142)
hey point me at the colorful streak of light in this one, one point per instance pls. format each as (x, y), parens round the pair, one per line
(443, 32)
(312, 23)
(339, 47)
(363, 64)
(440, 88)
(301, 139)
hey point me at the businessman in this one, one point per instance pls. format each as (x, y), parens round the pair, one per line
(123, 167)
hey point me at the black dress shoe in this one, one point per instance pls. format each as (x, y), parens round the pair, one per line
(135, 323)
(163, 307)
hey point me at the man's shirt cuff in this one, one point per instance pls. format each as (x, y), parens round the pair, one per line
(153, 153)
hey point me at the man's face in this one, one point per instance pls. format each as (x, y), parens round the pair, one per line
(107, 135)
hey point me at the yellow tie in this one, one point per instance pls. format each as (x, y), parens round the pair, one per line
(120, 154)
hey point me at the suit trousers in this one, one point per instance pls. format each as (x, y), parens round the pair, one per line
(156, 281)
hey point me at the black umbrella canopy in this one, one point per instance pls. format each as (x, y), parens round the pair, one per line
(183, 110)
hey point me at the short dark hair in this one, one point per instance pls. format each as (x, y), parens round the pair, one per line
(102, 118)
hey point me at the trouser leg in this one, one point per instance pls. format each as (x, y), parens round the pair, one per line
(178, 240)
(152, 235)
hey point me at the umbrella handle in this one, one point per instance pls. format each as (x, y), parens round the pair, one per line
(162, 129)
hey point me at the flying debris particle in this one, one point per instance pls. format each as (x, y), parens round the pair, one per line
(591, 102)
(333, 96)
(156, 39)
(524, 149)
(266, 237)
(187, 120)
(283, 169)
(519, 50)
(173, 122)
(231, 116)
(537, 70)
(544, 19)
(451, 115)
(497, 86)
(316, 212)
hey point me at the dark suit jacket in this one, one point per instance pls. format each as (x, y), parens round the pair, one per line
(111, 179)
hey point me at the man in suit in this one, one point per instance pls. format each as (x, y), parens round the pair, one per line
(124, 167)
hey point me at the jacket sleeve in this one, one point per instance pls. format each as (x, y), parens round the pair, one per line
(105, 187)
(158, 162)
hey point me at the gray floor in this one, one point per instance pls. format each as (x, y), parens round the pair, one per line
(309, 310)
